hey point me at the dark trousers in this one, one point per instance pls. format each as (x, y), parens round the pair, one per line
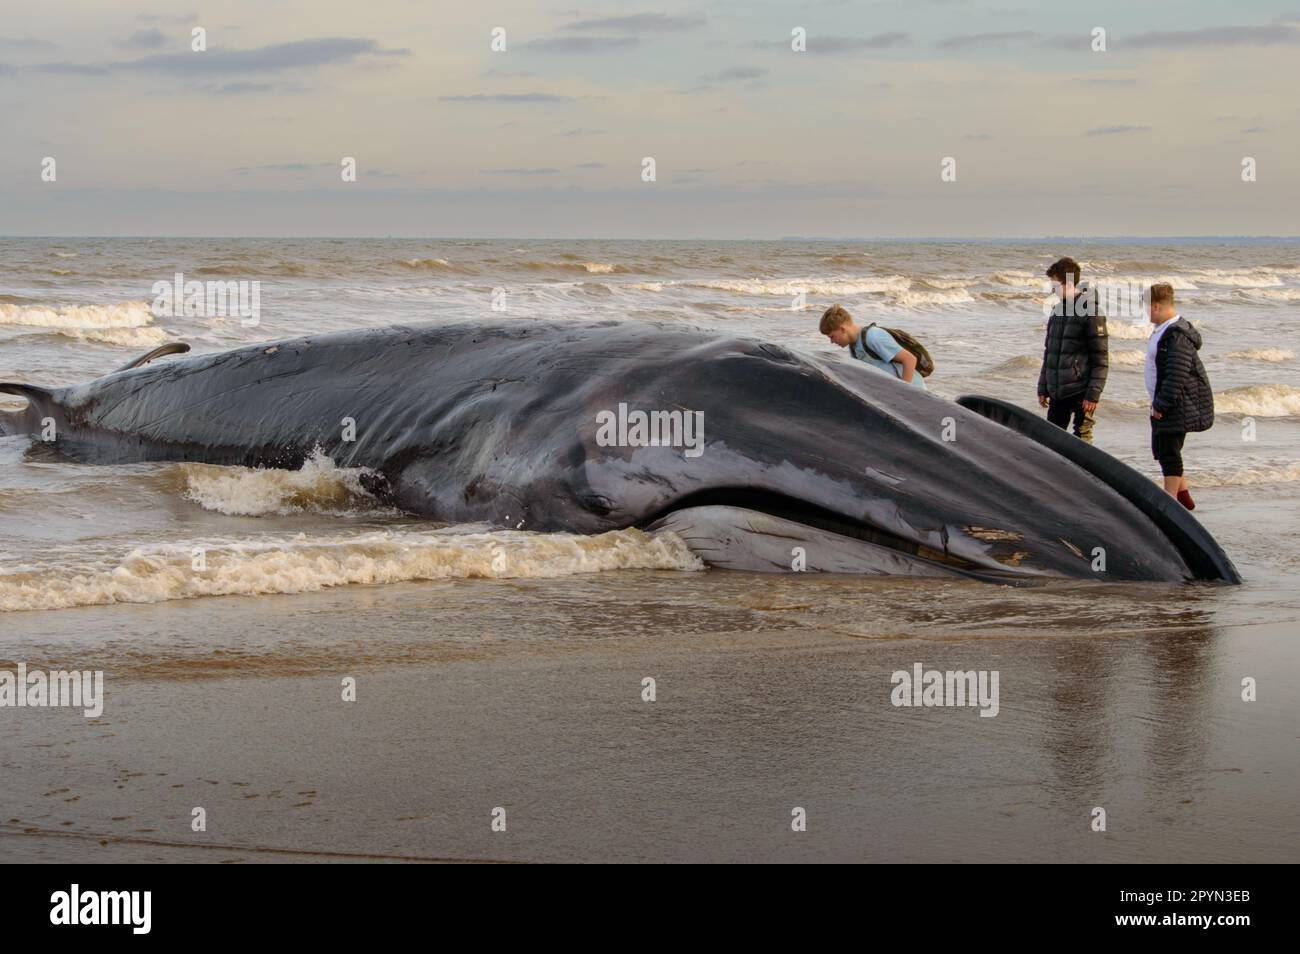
(1167, 449)
(1061, 412)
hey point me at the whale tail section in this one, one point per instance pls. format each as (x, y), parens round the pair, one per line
(28, 391)
(40, 401)
(1202, 553)
(26, 420)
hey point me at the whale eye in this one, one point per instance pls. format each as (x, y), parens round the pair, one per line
(597, 504)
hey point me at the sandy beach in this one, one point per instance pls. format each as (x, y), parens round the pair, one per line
(775, 702)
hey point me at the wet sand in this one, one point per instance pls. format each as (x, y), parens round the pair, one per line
(771, 695)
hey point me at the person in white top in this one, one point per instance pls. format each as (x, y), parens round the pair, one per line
(1181, 398)
(1153, 343)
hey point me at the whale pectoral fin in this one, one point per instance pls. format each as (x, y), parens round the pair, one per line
(736, 538)
(172, 347)
(1200, 551)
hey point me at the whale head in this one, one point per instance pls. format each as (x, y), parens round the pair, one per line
(764, 458)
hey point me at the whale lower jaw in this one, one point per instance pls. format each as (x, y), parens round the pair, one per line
(736, 538)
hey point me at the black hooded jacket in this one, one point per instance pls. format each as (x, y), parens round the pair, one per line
(1183, 395)
(1075, 358)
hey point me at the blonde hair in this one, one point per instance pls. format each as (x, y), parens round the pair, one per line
(1161, 294)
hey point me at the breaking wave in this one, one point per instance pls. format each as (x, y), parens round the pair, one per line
(810, 286)
(1021, 366)
(286, 268)
(1126, 331)
(319, 486)
(1262, 354)
(128, 314)
(588, 268)
(303, 564)
(1260, 400)
(128, 324)
(919, 299)
(1127, 358)
(428, 264)
(1261, 277)
(1247, 476)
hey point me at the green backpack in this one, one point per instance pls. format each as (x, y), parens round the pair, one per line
(924, 363)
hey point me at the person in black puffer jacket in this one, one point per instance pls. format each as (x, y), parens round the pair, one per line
(1075, 354)
(1181, 398)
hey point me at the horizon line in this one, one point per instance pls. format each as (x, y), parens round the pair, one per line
(616, 238)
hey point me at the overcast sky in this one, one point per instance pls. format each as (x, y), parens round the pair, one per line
(750, 139)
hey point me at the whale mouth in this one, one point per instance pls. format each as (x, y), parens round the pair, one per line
(753, 529)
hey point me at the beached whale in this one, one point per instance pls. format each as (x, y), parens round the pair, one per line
(759, 457)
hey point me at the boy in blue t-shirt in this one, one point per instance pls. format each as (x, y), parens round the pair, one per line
(877, 347)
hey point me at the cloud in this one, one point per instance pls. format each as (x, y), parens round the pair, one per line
(1215, 36)
(1115, 130)
(507, 73)
(176, 18)
(22, 43)
(848, 44)
(520, 172)
(1106, 81)
(581, 44)
(975, 40)
(843, 44)
(733, 73)
(309, 166)
(574, 133)
(245, 87)
(1069, 42)
(590, 165)
(265, 59)
(71, 69)
(149, 39)
(506, 98)
(281, 167)
(978, 137)
(639, 23)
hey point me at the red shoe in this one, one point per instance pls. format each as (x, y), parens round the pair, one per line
(1186, 500)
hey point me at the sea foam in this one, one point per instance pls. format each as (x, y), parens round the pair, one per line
(309, 563)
